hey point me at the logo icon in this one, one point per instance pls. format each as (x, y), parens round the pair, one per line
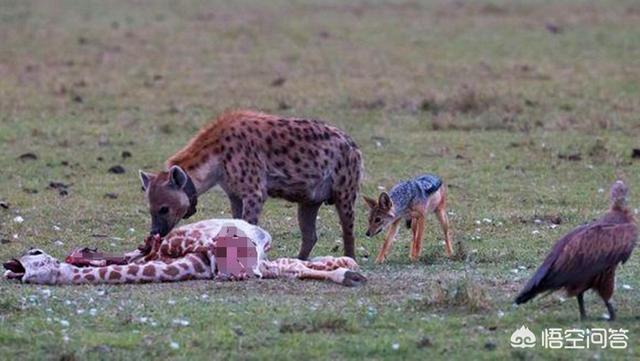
(523, 338)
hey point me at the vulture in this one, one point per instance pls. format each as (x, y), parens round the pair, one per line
(587, 257)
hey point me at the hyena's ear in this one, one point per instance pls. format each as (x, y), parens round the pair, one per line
(145, 179)
(178, 176)
(370, 202)
(385, 201)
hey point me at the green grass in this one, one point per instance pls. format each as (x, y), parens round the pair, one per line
(478, 92)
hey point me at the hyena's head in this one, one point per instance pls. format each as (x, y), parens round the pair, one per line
(171, 196)
(381, 213)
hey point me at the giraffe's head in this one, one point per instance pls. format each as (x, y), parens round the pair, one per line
(34, 266)
(171, 195)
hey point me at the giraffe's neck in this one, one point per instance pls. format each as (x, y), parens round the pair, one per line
(193, 266)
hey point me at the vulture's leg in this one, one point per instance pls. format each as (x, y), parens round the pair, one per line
(583, 313)
(605, 290)
(612, 311)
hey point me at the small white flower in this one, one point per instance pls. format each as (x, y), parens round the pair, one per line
(600, 190)
(535, 231)
(487, 220)
(18, 219)
(500, 314)
(143, 319)
(537, 221)
(180, 322)
(395, 345)
(171, 302)
(381, 188)
(515, 270)
(64, 323)
(93, 312)
(80, 311)
(478, 222)
(58, 243)
(132, 230)
(56, 228)
(553, 226)
(627, 287)
(46, 292)
(174, 345)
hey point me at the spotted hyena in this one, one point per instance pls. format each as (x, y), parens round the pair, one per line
(252, 156)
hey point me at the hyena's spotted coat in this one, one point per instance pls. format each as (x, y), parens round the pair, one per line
(254, 155)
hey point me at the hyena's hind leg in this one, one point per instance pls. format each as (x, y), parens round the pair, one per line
(307, 215)
(443, 218)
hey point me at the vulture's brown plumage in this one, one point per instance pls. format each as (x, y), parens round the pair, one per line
(588, 256)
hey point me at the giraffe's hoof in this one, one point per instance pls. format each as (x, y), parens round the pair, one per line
(353, 279)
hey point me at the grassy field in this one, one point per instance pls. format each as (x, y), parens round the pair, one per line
(529, 109)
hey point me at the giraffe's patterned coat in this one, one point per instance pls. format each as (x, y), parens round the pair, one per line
(185, 254)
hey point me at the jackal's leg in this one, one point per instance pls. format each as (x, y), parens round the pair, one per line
(388, 240)
(417, 227)
(441, 212)
(345, 205)
(307, 214)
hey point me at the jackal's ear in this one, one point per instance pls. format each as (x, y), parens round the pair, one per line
(178, 176)
(385, 201)
(370, 202)
(145, 179)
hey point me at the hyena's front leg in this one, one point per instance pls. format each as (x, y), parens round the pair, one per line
(307, 215)
(252, 207)
(236, 205)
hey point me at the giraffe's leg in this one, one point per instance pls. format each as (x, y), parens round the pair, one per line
(343, 276)
(388, 240)
(307, 215)
(443, 218)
